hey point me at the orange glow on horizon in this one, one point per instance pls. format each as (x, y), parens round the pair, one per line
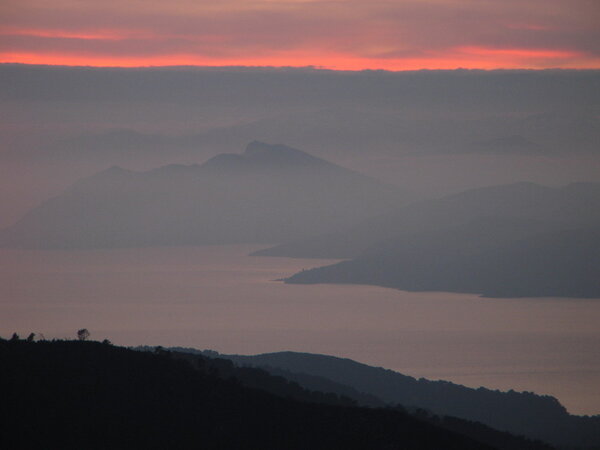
(466, 58)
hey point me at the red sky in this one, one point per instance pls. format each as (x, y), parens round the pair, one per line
(336, 34)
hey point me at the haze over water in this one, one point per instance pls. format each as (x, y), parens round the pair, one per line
(219, 298)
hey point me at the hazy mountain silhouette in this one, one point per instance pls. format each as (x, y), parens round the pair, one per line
(399, 112)
(576, 205)
(482, 258)
(413, 129)
(269, 193)
(521, 413)
(520, 240)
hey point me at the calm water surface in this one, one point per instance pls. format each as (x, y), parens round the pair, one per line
(219, 298)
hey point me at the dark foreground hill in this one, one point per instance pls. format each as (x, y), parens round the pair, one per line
(520, 413)
(314, 388)
(267, 194)
(91, 395)
(66, 394)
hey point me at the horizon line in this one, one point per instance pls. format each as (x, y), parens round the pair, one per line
(313, 68)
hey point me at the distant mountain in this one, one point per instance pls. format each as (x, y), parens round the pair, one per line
(520, 240)
(268, 194)
(479, 258)
(73, 395)
(344, 131)
(538, 208)
(521, 413)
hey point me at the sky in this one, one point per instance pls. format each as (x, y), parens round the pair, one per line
(334, 34)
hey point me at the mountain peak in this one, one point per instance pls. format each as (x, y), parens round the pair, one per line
(258, 155)
(261, 152)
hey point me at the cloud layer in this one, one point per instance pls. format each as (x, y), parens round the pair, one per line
(337, 34)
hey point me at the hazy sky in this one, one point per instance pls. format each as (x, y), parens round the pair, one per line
(338, 34)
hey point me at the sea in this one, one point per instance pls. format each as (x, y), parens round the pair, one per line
(220, 298)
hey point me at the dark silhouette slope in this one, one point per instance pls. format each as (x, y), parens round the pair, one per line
(90, 395)
(312, 383)
(283, 382)
(269, 193)
(520, 413)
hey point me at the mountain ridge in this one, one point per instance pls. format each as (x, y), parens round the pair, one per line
(522, 413)
(268, 193)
